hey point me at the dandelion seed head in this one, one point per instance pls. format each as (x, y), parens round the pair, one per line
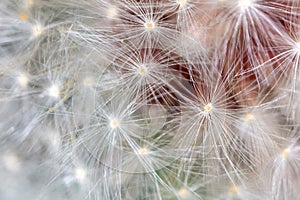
(149, 25)
(23, 16)
(112, 12)
(23, 80)
(183, 193)
(208, 108)
(114, 123)
(37, 30)
(54, 91)
(80, 174)
(148, 124)
(11, 162)
(181, 2)
(143, 151)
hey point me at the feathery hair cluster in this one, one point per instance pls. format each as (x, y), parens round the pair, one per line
(150, 99)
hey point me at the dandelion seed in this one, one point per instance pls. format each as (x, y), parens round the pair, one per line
(54, 91)
(112, 13)
(233, 190)
(22, 80)
(51, 110)
(142, 70)
(144, 24)
(183, 193)
(114, 123)
(245, 4)
(249, 117)
(28, 3)
(208, 108)
(286, 152)
(11, 162)
(182, 2)
(23, 16)
(283, 174)
(88, 82)
(149, 25)
(37, 30)
(297, 47)
(143, 151)
(54, 140)
(80, 174)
